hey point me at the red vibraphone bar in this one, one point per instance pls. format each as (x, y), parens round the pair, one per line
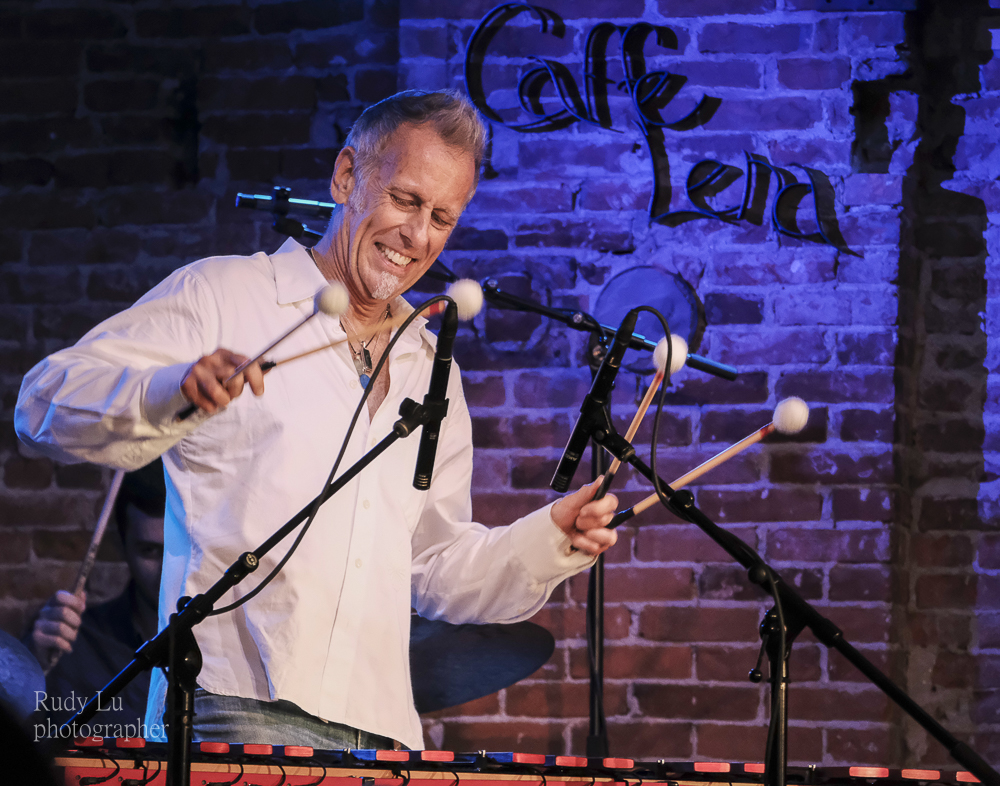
(134, 762)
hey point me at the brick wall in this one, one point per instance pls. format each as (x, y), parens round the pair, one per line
(126, 131)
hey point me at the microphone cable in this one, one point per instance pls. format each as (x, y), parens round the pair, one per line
(336, 464)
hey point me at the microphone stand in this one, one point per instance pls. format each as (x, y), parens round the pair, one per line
(174, 648)
(797, 614)
(580, 320)
(597, 738)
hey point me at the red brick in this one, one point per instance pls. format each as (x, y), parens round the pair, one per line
(802, 73)
(842, 670)
(555, 388)
(500, 735)
(751, 39)
(745, 742)
(268, 93)
(863, 425)
(645, 740)
(816, 545)
(561, 700)
(17, 549)
(635, 585)
(948, 514)
(629, 662)
(733, 664)
(838, 387)
(765, 114)
(596, 234)
(259, 129)
(685, 543)
(863, 703)
(773, 504)
(27, 473)
(828, 467)
(870, 745)
(706, 623)
(213, 21)
(569, 622)
(860, 583)
(698, 702)
(945, 591)
(771, 347)
(73, 24)
(863, 504)
(944, 551)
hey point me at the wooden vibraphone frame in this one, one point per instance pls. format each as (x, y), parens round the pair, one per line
(134, 762)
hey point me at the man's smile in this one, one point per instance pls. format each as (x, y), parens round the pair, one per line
(392, 256)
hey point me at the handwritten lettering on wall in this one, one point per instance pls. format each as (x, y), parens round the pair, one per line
(650, 93)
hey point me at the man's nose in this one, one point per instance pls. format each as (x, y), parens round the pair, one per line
(415, 228)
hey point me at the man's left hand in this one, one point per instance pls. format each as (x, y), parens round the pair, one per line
(585, 520)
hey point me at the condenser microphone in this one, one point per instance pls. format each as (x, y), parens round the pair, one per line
(594, 401)
(435, 401)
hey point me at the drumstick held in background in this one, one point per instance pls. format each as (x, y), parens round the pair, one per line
(790, 417)
(95, 543)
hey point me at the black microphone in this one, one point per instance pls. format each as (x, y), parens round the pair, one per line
(594, 401)
(435, 402)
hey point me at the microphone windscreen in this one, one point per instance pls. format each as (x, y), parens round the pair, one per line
(791, 415)
(332, 299)
(678, 357)
(468, 296)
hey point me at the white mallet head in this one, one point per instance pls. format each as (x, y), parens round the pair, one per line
(677, 358)
(332, 299)
(791, 415)
(468, 296)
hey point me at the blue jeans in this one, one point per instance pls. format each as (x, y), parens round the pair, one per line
(234, 719)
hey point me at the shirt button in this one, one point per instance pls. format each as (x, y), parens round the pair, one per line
(354, 383)
(357, 563)
(366, 504)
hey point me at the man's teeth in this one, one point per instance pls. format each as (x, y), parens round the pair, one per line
(392, 256)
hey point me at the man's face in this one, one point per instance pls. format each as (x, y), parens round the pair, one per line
(400, 219)
(144, 551)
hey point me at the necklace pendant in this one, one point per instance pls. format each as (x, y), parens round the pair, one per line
(366, 358)
(364, 379)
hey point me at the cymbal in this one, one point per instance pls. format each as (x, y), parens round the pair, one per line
(453, 664)
(20, 676)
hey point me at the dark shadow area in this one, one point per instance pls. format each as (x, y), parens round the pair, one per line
(939, 403)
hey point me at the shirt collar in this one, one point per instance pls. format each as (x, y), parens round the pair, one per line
(297, 278)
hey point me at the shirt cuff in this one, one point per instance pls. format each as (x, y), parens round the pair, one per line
(164, 400)
(544, 549)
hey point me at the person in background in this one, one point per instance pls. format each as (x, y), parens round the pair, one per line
(93, 644)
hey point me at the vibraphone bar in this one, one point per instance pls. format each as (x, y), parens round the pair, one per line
(135, 762)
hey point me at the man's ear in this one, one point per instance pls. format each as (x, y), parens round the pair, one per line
(343, 180)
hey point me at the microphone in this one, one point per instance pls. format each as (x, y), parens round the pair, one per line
(594, 401)
(435, 401)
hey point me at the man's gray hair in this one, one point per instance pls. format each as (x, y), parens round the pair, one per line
(450, 113)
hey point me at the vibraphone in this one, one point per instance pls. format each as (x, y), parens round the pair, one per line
(134, 762)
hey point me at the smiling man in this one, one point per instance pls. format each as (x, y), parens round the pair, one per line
(320, 657)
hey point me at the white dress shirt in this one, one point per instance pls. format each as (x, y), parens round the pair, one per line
(331, 632)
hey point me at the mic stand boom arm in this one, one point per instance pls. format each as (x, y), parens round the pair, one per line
(579, 320)
(799, 614)
(174, 647)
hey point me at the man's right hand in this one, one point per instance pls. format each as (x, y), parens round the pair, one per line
(57, 626)
(203, 386)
